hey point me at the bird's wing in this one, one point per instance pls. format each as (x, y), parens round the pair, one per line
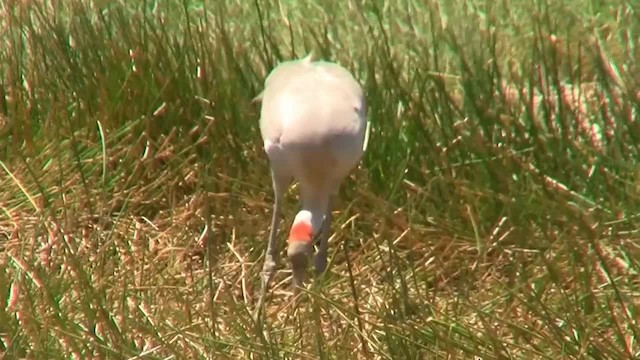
(308, 102)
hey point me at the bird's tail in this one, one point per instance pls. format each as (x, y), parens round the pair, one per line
(309, 58)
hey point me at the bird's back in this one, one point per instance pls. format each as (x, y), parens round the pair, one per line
(313, 118)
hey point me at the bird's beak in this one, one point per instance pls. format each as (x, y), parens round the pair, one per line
(298, 253)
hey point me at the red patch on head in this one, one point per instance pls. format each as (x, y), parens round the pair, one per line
(300, 232)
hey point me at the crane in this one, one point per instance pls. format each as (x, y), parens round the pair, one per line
(313, 126)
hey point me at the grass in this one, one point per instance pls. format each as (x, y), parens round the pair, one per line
(494, 215)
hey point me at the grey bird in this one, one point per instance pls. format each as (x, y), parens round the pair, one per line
(313, 125)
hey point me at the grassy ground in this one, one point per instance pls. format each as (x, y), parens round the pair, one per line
(495, 214)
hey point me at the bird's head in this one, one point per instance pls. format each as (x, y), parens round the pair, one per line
(306, 227)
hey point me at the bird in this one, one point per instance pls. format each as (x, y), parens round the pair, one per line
(313, 126)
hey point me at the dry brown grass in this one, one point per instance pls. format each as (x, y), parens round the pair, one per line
(486, 220)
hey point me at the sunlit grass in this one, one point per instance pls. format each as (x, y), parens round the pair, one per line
(495, 213)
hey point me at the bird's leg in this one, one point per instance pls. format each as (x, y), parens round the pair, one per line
(320, 257)
(271, 254)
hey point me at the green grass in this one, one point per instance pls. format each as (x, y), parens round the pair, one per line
(495, 214)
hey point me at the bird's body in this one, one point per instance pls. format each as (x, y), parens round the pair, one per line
(313, 125)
